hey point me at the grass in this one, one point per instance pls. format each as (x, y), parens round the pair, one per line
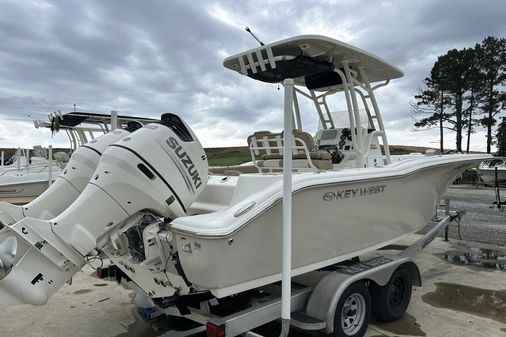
(227, 158)
(399, 151)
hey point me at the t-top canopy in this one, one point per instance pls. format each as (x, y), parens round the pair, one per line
(310, 60)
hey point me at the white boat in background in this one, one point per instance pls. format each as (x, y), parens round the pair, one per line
(26, 160)
(175, 234)
(29, 173)
(28, 176)
(489, 168)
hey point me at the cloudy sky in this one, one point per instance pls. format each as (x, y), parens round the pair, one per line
(149, 57)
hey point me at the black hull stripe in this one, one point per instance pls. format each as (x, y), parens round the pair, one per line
(155, 171)
(95, 150)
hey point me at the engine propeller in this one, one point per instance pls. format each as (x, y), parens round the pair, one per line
(8, 250)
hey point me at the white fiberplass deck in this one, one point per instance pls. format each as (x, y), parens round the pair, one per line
(172, 230)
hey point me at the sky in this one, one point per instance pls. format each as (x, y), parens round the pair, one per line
(145, 58)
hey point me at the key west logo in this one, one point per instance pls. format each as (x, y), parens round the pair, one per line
(185, 160)
(354, 192)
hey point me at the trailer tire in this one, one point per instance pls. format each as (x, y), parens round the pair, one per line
(353, 311)
(390, 302)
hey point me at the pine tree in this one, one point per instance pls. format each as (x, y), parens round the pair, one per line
(433, 101)
(461, 83)
(501, 138)
(492, 62)
(457, 83)
(474, 83)
(445, 94)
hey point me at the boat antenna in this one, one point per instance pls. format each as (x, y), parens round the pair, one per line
(256, 38)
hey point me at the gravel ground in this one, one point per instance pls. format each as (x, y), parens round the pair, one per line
(483, 221)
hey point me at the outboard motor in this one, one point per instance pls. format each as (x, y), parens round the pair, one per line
(160, 168)
(67, 187)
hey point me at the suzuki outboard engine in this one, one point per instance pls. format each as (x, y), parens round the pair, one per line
(160, 168)
(67, 187)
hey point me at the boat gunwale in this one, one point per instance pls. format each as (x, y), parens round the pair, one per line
(274, 200)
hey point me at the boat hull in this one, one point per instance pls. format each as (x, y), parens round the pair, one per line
(29, 185)
(332, 222)
(488, 176)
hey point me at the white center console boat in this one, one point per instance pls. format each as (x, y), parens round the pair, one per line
(180, 237)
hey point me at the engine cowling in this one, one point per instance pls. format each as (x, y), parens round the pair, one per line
(161, 168)
(67, 186)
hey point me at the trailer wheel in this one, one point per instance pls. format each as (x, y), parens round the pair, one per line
(353, 312)
(390, 302)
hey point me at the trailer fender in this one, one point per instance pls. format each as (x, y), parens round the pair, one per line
(325, 296)
(416, 277)
(382, 276)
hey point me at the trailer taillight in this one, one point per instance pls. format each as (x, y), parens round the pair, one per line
(214, 330)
